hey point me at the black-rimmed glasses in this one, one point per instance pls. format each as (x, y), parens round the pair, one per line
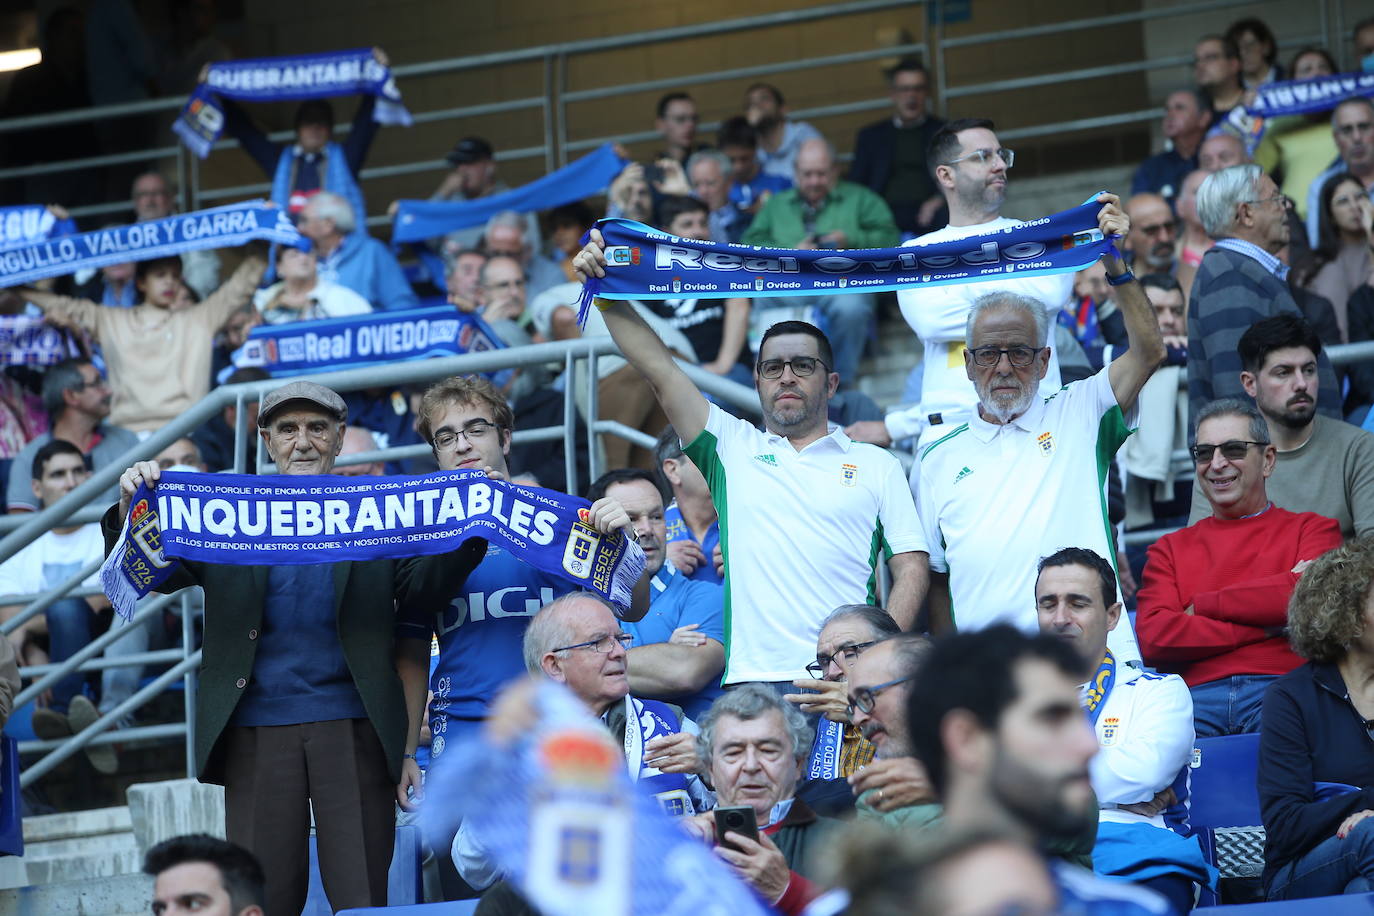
(863, 698)
(1233, 450)
(817, 668)
(1019, 357)
(802, 366)
(474, 432)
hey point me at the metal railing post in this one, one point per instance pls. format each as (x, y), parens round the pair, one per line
(560, 83)
(594, 469)
(550, 157)
(188, 684)
(937, 7)
(570, 423)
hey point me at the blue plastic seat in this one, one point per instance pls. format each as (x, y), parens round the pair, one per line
(1347, 905)
(11, 806)
(1223, 806)
(404, 881)
(453, 908)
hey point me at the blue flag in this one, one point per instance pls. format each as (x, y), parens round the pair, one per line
(286, 79)
(417, 220)
(560, 818)
(242, 520)
(644, 263)
(1317, 93)
(354, 341)
(28, 340)
(30, 223)
(220, 227)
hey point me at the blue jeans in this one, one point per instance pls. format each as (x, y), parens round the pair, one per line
(1333, 866)
(1229, 705)
(69, 630)
(846, 324)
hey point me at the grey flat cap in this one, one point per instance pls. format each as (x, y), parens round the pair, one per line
(318, 395)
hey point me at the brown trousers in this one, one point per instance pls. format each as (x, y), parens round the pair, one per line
(275, 774)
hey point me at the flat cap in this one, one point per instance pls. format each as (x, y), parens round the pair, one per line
(320, 396)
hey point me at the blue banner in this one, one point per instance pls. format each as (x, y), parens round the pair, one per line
(1317, 93)
(220, 227)
(561, 819)
(30, 223)
(243, 520)
(644, 263)
(301, 347)
(286, 79)
(27, 340)
(417, 220)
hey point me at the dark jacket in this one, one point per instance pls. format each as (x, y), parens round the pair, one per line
(1230, 293)
(365, 593)
(1310, 733)
(800, 834)
(872, 164)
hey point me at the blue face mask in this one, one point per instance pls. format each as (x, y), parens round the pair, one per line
(1368, 63)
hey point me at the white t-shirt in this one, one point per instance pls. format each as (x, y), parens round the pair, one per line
(51, 560)
(327, 300)
(938, 315)
(801, 532)
(995, 500)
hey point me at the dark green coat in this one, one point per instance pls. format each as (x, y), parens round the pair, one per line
(365, 596)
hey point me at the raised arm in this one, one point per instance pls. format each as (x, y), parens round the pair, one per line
(1131, 370)
(684, 405)
(65, 311)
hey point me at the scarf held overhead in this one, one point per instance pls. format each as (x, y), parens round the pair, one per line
(286, 79)
(417, 220)
(219, 227)
(29, 223)
(242, 520)
(1317, 93)
(644, 263)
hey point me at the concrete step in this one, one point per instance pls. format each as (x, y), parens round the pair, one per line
(45, 827)
(119, 895)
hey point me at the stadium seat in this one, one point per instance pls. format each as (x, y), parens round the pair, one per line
(453, 908)
(11, 816)
(1347, 905)
(404, 881)
(1224, 808)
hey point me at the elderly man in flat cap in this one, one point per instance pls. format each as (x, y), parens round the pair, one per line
(299, 700)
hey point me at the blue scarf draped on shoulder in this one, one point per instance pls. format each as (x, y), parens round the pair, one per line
(644, 263)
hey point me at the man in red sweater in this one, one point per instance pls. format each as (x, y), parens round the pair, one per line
(1213, 601)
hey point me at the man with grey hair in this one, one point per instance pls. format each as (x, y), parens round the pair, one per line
(77, 400)
(1240, 281)
(753, 744)
(1039, 460)
(353, 259)
(708, 171)
(507, 234)
(824, 212)
(1352, 127)
(1213, 600)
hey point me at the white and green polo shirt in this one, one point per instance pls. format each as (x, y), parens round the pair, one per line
(802, 533)
(995, 500)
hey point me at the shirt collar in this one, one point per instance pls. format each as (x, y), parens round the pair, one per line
(897, 123)
(1270, 263)
(834, 432)
(780, 811)
(1027, 422)
(664, 577)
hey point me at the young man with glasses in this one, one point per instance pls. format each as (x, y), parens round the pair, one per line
(806, 514)
(1028, 461)
(970, 168)
(1213, 601)
(469, 425)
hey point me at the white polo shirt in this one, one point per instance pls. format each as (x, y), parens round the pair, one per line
(995, 500)
(801, 533)
(938, 315)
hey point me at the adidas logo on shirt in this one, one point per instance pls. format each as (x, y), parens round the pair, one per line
(963, 473)
(768, 459)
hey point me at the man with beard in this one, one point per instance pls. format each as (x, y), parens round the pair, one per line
(806, 514)
(1154, 233)
(1323, 465)
(1035, 462)
(994, 717)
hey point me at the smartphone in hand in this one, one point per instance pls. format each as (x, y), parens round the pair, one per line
(739, 820)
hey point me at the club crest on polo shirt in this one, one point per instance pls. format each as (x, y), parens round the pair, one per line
(848, 473)
(1110, 726)
(1046, 442)
(769, 459)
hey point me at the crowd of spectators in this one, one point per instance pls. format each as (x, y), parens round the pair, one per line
(1182, 385)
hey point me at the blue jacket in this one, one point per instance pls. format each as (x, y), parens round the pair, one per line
(1310, 733)
(365, 266)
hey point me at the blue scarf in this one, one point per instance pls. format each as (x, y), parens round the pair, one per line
(646, 720)
(286, 79)
(417, 220)
(824, 762)
(337, 179)
(30, 223)
(220, 227)
(1100, 687)
(301, 347)
(242, 520)
(644, 263)
(27, 340)
(1317, 93)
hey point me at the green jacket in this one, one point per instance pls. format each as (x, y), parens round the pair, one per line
(856, 211)
(802, 835)
(365, 596)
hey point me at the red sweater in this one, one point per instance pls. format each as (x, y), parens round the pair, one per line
(1236, 574)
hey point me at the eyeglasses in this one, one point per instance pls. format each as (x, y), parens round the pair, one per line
(1019, 357)
(802, 366)
(1234, 450)
(817, 668)
(985, 155)
(863, 698)
(474, 432)
(602, 644)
